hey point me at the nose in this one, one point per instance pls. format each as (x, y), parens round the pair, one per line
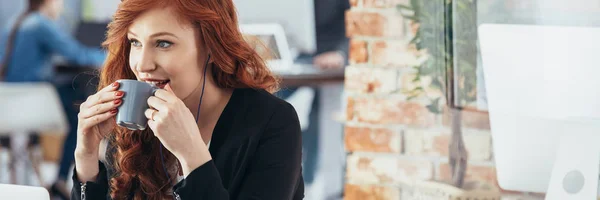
(145, 62)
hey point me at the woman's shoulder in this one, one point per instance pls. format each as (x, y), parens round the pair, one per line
(264, 100)
(36, 20)
(270, 115)
(262, 105)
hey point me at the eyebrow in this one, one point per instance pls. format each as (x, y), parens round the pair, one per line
(156, 34)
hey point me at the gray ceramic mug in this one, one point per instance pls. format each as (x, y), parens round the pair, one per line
(135, 102)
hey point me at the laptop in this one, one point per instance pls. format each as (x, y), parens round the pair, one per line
(8, 191)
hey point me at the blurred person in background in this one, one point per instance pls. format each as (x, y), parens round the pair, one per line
(332, 43)
(331, 54)
(26, 47)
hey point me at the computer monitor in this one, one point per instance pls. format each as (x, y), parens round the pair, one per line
(269, 41)
(297, 17)
(544, 104)
(91, 34)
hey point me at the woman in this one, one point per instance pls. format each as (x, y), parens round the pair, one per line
(214, 130)
(26, 49)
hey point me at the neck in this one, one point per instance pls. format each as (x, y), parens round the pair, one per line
(46, 11)
(213, 102)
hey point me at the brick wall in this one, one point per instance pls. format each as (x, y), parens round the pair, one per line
(391, 140)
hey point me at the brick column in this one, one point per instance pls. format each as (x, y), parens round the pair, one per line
(392, 140)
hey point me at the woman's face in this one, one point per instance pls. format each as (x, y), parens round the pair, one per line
(165, 50)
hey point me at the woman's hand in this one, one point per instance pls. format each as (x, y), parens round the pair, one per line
(174, 125)
(95, 120)
(329, 60)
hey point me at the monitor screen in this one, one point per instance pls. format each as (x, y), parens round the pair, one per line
(265, 45)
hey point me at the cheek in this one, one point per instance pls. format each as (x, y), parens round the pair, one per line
(176, 64)
(170, 64)
(133, 61)
(186, 73)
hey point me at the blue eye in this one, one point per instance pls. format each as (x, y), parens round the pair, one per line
(135, 43)
(163, 44)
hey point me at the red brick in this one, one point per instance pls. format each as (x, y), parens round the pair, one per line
(372, 139)
(426, 142)
(370, 80)
(413, 169)
(349, 108)
(384, 3)
(471, 118)
(385, 169)
(358, 51)
(375, 24)
(370, 192)
(371, 170)
(435, 142)
(379, 110)
(396, 53)
(473, 173)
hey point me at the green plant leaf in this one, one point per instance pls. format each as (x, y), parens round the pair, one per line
(411, 97)
(410, 17)
(414, 40)
(417, 78)
(434, 108)
(416, 4)
(404, 7)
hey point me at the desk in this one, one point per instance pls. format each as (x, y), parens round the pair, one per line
(299, 75)
(309, 75)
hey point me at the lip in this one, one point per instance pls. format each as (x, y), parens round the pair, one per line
(152, 79)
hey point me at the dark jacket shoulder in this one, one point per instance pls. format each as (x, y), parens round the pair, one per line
(265, 108)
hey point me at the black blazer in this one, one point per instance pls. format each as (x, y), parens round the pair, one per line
(256, 149)
(331, 26)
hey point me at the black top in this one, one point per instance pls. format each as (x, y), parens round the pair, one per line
(256, 149)
(331, 26)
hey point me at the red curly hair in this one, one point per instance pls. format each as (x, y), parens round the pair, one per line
(235, 65)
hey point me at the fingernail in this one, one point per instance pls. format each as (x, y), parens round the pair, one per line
(115, 84)
(119, 93)
(113, 111)
(118, 101)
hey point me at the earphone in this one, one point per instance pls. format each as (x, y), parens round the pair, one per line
(162, 158)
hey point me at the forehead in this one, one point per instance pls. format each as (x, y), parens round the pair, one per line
(161, 20)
